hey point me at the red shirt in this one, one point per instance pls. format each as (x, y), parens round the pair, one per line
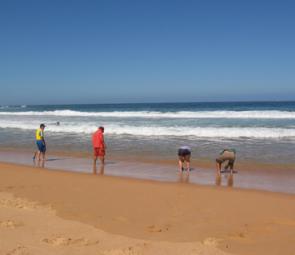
(97, 139)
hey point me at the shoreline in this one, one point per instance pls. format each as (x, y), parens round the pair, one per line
(273, 180)
(206, 163)
(238, 221)
(148, 181)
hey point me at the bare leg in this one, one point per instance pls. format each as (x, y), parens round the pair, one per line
(230, 181)
(180, 166)
(218, 179)
(35, 155)
(180, 177)
(42, 164)
(101, 170)
(186, 178)
(38, 155)
(101, 165)
(102, 160)
(187, 166)
(218, 168)
(231, 169)
(43, 156)
(94, 164)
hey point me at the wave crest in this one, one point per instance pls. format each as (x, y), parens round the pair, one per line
(161, 131)
(269, 114)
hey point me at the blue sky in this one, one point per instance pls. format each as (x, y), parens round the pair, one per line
(55, 52)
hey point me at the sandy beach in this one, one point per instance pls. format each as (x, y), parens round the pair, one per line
(57, 212)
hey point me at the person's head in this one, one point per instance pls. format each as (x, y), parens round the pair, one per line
(101, 129)
(42, 126)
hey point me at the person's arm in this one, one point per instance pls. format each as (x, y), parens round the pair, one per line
(42, 136)
(103, 143)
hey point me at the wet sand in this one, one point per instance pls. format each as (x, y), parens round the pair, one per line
(258, 177)
(59, 212)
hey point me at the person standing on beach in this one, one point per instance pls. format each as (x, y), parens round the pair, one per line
(184, 156)
(99, 146)
(226, 155)
(40, 142)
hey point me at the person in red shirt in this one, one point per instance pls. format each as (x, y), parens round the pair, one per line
(98, 146)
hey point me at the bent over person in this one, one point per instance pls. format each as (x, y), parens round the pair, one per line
(228, 155)
(184, 156)
(98, 146)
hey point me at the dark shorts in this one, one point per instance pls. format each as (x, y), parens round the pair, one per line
(184, 154)
(99, 152)
(41, 146)
(227, 156)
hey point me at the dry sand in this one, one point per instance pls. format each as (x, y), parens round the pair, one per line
(54, 212)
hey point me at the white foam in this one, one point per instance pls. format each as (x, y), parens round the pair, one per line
(159, 131)
(270, 114)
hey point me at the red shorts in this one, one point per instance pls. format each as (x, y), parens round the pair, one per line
(99, 152)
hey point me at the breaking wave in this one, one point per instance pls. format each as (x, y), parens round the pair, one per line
(160, 131)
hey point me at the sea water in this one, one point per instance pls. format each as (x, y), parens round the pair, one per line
(259, 131)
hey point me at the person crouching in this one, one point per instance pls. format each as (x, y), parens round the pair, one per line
(184, 156)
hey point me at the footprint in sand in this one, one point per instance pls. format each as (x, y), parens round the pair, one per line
(244, 237)
(158, 229)
(124, 251)
(67, 241)
(237, 236)
(20, 250)
(10, 224)
(211, 241)
(18, 203)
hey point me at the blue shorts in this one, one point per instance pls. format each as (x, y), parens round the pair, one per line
(41, 146)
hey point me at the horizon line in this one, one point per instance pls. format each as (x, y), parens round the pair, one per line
(168, 102)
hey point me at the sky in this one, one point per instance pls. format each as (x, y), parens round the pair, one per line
(61, 52)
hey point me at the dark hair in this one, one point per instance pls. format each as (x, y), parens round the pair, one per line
(42, 125)
(101, 128)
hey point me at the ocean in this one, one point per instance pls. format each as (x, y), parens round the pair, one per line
(259, 131)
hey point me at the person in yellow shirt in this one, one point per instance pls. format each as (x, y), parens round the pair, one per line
(40, 142)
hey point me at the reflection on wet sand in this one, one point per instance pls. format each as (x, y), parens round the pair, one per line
(218, 179)
(101, 169)
(39, 163)
(229, 177)
(183, 177)
(230, 180)
(277, 180)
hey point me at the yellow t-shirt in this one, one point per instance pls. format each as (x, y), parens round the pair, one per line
(39, 134)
